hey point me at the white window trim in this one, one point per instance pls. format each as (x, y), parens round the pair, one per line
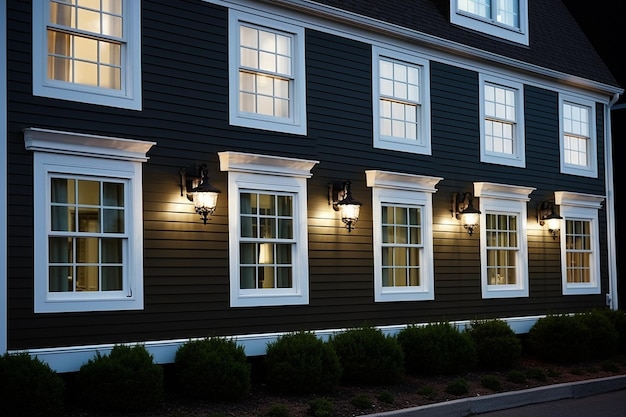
(78, 154)
(268, 173)
(404, 189)
(129, 97)
(518, 158)
(510, 199)
(297, 123)
(577, 206)
(592, 169)
(489, 27)
(423, 146)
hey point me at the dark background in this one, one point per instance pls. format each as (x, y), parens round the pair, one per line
(602, 25)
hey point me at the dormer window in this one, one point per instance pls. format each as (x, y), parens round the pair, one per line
(506, 19)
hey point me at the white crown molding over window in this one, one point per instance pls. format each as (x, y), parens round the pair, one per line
(401, 181)
(268, 175)
(404, 192)
(54, 141)
(511, 201)
(76, 156)
(578, 199)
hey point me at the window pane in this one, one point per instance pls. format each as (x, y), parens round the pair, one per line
(112, 278)
(60, 279)
(111, 250)
(60, 250)
(247, 277)
(247, 253)
(87, 278)
(88, 220)
(113, 221)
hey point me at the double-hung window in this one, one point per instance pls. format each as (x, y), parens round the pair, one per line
(502, 128)
(578, 137)
(88, 232)
(504, 253)
(403, 240)
(267, 76)
(88, 51)
(580, 245)
(401, 110)
(506, 19)
(267, 212)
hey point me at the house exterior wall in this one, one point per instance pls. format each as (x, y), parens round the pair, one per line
(186, 263)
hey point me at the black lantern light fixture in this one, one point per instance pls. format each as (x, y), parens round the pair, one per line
(547, 215)
(340, 196)
(194, 182)
(463, 209)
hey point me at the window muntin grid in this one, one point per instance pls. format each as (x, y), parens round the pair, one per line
(505, 12)
(402, 245)
(87, 241)
(576, 131)
(266, 244)
(399, 99)
(578, 251)
(502, 243)
(266, 72)
(500, 119)
(85, 42)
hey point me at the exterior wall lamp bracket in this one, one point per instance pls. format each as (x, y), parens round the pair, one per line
(463, 209)
(340, 197)
(194, 183)
(547, 215)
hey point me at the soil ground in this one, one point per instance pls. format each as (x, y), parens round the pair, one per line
(412, 392)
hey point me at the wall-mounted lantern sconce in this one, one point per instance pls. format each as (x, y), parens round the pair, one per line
(546, 214)
(194, 182)
(340, 196)
(463, 209)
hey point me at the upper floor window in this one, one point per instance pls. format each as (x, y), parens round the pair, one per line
(267, 77)
(401, 112)
(502, 128)
(403, 240)
(267, 212)
(506, 19)
(504, 253)
(88, 230)
(578, 137)
(88, 51)
(580, 247)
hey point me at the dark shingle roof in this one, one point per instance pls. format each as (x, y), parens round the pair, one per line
(556, 40)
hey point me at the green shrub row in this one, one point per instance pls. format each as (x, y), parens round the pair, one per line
(217, 369)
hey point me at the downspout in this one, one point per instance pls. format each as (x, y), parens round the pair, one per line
(4, 319)
(612, 296)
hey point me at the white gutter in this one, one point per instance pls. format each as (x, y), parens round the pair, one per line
(4, 321)
(612, 296)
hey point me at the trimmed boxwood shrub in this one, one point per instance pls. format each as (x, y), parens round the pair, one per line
(437, 348)
(212, 369)
(604, 338)
(300, 363)
(367, 356)
(572, 338)
(29, 387)
(125, 380)
(559, 338)
(497, 345)
(617, 318)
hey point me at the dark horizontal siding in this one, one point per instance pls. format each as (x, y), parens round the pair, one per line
(186, 266)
